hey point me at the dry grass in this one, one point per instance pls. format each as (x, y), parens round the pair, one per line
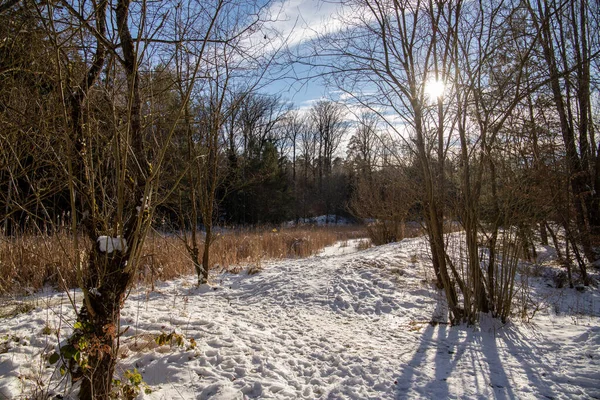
(27, 263)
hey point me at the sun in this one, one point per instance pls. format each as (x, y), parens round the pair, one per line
(434, 89)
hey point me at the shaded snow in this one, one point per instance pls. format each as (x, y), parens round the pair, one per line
(350, 326)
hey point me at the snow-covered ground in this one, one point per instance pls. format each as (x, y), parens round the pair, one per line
(333, 326)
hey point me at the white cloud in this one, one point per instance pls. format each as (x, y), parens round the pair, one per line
(297, 21)
(306, 105)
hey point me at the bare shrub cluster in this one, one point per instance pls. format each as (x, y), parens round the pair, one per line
(384, 231)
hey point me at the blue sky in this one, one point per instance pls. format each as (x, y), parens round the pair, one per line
(299, 21)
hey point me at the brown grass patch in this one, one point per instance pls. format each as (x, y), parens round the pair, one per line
(29, 262)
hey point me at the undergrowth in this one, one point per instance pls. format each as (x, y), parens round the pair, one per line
(30, 262)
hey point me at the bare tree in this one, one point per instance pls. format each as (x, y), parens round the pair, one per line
(384, 60)
(570, 51)
(294, 125)
(490, 54)
(308, 149)
(211, 120)
(330, 126)
(389, 59)
(260, 116)
(363, 145)
(114, 163)
(256, 140)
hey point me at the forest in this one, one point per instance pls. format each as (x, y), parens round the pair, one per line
(122, 119)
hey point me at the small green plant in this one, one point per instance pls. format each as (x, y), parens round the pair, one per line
(46, 330)
(23, 308)
(76, 352)
(131, 385)
(174, 339)
(7, 340)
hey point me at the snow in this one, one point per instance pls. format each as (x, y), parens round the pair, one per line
(109, 244)
(322, 220)
(343, 247)
(333, 326)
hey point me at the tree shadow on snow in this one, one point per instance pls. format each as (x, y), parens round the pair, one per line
(537, 369)
(472, 358)
(415, 380)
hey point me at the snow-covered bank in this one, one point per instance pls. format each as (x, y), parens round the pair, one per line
(331, 326)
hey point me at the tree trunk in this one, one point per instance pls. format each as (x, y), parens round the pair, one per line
(580, 179)
(100, 321)
(203, 278)
(543, 234)
(109, 275)
(434, 219)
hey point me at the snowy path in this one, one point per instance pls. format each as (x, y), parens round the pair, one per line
(334, 327)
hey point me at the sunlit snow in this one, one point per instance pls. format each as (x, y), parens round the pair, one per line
(109, 244)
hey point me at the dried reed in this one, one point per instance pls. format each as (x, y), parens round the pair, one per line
(29, 262)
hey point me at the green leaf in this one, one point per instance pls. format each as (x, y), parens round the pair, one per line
(54, 358)
(68, 351)
(78, 325)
